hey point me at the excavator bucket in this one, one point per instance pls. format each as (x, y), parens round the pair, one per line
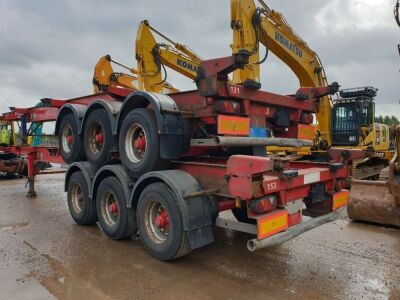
(373, 201)
(378, 201)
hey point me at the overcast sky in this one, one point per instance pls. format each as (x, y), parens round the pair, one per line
(49, 48)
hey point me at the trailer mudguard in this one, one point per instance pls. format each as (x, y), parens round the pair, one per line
(196, 210)
(116, 171)
(78, 110)
(88, 172)
(111, 107)
(169, 120)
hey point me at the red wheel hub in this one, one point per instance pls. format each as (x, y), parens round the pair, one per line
(99, 138)
(113, 208)
(162, 219)
(70, 139)
(140, 143)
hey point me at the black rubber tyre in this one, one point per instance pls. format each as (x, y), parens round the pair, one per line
(138, 124)
(98, 123)
(81, 207)
(163, 245)
(69, 141)
(116, 220)
(241, 215)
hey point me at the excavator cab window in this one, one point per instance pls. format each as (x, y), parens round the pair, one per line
(346, 123)
(354, 110)
(367, 117)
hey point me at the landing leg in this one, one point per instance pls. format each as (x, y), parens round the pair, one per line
(31, 175)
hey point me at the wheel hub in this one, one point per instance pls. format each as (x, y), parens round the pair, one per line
(99, 138)
(67, 139)
(136, 143)
(140, 143)
(113, 208)
(162, 219)
(70, 139)
(77, 199)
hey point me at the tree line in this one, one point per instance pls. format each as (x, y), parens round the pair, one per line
(387, 120)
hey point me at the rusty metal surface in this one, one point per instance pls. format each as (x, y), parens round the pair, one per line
(371, 201)
(44, 255)
(12, 164)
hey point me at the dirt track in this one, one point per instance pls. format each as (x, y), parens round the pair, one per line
(43, 255)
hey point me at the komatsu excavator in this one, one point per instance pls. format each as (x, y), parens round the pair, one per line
(152, 58)
(379, 201)
(345, 123)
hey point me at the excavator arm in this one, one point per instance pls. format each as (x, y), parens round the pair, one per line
(153, 57)
(254, 25)
(105, 76)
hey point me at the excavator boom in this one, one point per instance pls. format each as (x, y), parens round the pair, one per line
(253, 25)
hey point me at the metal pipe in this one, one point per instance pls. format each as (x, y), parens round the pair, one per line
(251, 141)
(122, 65)
(162, 35)
(229, 141)
(291, 233)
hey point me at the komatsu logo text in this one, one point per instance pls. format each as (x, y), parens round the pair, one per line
(186, 65)
(289, 45)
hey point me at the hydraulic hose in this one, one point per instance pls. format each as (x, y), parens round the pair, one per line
(256, 23)
(396, 12)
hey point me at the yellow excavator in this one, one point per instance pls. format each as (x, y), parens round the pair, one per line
(379, 201)
(347, 122)
(152, 58)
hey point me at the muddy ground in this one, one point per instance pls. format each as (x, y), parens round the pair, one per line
(44, 255)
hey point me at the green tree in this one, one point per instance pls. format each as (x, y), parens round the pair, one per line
(394, 120)
(386, 120)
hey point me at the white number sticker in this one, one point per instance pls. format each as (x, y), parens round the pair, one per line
(271, 186)
(235, 90)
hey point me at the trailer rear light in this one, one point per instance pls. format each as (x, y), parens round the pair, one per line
(265, 204)
(272, 223)
(227, 107)
(340, 185)
(307, 118)
(231, 125)
(340, 199)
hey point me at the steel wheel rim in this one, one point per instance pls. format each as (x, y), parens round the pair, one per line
(158, 234)
(77, 198)
(135, 132)
(110, 209)
(66, 133)
(94, 145)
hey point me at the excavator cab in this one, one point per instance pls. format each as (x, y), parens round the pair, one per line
(353, 116)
